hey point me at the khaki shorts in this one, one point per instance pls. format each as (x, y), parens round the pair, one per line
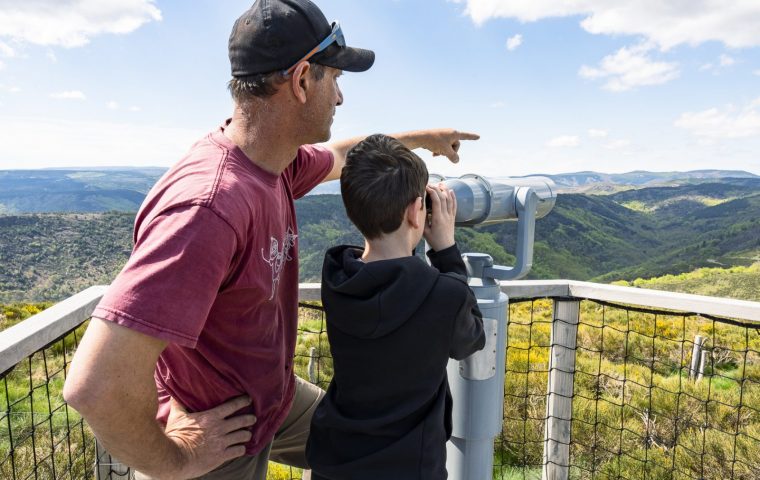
(287, 447)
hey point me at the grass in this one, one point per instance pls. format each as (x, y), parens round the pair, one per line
(636, 413)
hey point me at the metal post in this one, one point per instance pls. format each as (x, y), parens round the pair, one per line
(107, 467)
(696, 353)
(312, 368)
(703, 352)
(559, 405)
(477, 382)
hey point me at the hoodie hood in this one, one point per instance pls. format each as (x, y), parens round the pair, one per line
(361, 288)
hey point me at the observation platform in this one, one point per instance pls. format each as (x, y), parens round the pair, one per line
(601, 382)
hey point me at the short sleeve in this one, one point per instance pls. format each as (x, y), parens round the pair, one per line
(311, 166)
(172, 278)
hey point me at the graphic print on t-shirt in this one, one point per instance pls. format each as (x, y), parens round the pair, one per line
(277, 257)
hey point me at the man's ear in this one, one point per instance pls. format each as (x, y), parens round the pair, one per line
(300, 81)
(413, 212)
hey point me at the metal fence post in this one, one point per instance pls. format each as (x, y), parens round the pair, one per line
(559, 405)
(107, 467)
(696, 357)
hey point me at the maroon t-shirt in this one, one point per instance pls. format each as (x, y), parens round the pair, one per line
(214, 272)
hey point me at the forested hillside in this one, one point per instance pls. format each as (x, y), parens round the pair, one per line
(742, 283)
(49, 257)
(640, 233)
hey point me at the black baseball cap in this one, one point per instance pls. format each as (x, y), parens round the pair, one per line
(275, 34)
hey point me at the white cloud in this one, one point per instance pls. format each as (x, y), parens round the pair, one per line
(514, 42)
(60, 143)
(72, 23)
(498, 105)
(564, 141)
(726, 123)
(630, 67)
(14, 89)
(134, 108)
(667, 23)
(723, 62)
(69, 95)
(51, 56)
(2, 65)
(756, 72)
(112, 105)
(597, 133)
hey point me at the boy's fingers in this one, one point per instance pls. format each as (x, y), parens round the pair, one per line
(434, 197)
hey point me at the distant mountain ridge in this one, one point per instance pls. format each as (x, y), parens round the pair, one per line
(645, 178)
(75, 190)
(605, 183)
(102, 189)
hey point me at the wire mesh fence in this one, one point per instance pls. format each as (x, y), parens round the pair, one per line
(40, 436)
(654, 395)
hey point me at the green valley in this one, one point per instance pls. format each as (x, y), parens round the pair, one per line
(637, 233)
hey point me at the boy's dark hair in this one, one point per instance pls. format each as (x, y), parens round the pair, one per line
(380, 179)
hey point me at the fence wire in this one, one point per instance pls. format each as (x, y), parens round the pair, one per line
(40, 436)
(655, 395)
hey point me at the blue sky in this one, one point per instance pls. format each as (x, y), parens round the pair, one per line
(552, 86)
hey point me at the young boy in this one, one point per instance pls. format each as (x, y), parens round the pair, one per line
(393, 323)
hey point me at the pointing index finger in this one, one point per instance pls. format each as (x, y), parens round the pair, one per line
(468, 136)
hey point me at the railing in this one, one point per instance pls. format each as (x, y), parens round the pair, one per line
(601, 382)
(614, 382)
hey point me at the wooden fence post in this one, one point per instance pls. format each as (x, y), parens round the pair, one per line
(559, 405)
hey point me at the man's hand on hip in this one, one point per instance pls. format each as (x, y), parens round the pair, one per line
(208, 439)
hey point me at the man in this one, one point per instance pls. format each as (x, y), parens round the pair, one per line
(198, 331)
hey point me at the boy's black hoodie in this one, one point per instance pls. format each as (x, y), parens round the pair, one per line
(392, 325)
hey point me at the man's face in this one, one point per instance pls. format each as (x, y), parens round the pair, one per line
(321, 108)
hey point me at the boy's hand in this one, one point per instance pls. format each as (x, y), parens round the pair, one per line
(439, 225)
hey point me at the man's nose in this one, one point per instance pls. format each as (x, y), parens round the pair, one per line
(340, 97)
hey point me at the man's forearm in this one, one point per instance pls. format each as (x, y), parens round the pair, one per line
(411, 140)
(110, 382)
(131, 434)
(443, 141)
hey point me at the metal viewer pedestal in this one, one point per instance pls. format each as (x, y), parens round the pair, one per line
(477, 382)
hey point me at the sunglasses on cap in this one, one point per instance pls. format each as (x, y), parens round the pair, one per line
(335, 36)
